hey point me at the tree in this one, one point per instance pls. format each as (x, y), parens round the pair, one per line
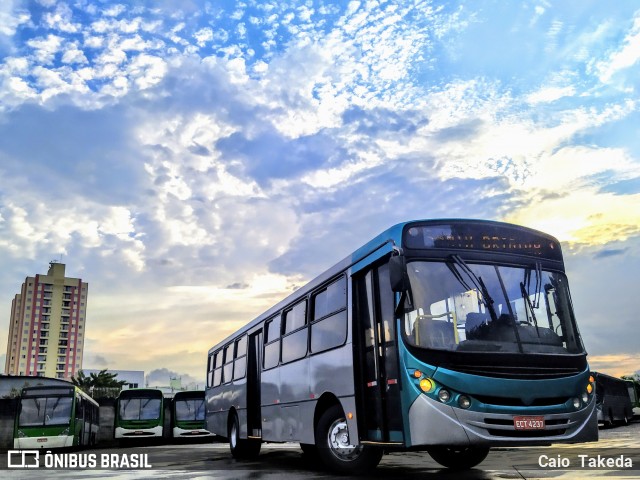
(100, 380)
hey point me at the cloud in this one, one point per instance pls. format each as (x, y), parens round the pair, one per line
(162, 377)
(198, 162)
(624, 57)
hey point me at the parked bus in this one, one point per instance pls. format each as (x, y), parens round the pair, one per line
(139, 413)
(634, 395)
(188, 415)
(451, 336)
(55, 417)
(613, 404)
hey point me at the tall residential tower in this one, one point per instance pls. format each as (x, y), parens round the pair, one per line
(46, 334)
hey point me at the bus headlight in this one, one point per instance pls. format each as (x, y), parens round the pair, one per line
(64, 432)
(444, 395)
(464, 401)
(576, 403)
(585, 398)
(21, 434)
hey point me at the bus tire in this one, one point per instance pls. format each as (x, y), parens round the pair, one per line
(241, 448)
(334, 448)
(458, 458)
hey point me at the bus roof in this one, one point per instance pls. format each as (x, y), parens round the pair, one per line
(140, 392)
(61, 390)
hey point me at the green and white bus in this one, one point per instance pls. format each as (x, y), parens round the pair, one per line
(450, 336)
(139, 413)
(55, 417)
(188, 415)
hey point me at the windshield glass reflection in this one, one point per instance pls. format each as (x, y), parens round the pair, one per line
(488, 308)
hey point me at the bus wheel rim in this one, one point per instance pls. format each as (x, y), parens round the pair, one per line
(339, 442)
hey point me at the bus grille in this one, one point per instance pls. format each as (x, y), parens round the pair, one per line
(518, 402)
(506, 371)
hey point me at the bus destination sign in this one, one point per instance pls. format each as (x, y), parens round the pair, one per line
(482, 237)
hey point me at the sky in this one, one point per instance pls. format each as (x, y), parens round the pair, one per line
(195, 161)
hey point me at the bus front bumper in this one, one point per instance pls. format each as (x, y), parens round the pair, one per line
(35, 443)
(434, 423)
(138, 432)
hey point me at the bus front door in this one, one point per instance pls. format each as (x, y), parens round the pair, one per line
(376, 359)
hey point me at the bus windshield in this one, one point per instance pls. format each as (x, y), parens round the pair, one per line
(489, 308)
(190, 409)
(37, 411)
(140, 409)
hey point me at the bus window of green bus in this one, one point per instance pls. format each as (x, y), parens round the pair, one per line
(45, 411)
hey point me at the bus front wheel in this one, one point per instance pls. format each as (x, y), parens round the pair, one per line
(335, 448)
(458, 458)
(241, 448)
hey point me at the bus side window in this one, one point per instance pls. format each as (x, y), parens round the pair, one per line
(210, 371)
(294, 342)
(329, 327)
(217, 372)
(240, 362)
(79, 404)
(227, 374)
(272, 342)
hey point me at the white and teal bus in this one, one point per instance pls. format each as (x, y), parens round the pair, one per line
(450, 336)
(55, 417)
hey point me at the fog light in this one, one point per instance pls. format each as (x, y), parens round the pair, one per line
(444, 395)
(427, 385)
(576, 403)
(464, 401)
(585, 398)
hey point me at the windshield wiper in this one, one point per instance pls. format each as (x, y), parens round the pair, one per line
(538, 283)
(477, 282)
(486, 298)
(527, 300)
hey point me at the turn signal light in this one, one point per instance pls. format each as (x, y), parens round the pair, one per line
(417, 373)
(427, 385)
(589, 388)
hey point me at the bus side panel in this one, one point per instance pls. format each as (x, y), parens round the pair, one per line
(270, 399)
(216, 418)
(294, 389)
(332, 372)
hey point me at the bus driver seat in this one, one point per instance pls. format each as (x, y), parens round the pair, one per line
(472, 327)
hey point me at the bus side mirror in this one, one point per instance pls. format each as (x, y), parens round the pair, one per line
(398, 273)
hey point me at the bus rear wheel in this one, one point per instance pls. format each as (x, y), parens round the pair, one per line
(335, 449)
(458, 458)
(241, 448)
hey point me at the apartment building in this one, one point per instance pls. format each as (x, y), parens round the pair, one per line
(46, 333)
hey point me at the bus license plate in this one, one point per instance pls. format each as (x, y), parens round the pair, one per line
(528, 423)
(42, 440)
